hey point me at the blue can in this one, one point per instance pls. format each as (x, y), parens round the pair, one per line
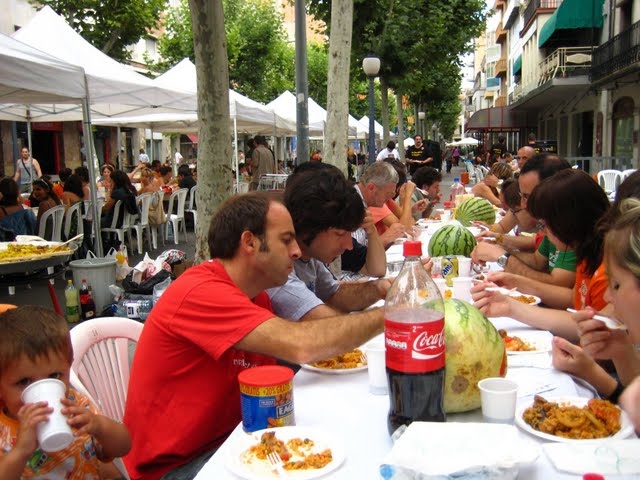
(266, 394)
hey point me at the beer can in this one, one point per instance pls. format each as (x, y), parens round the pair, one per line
(449, 268)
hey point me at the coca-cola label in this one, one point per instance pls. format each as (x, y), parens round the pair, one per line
(415, 347)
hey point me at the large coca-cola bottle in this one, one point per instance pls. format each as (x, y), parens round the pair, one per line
(414, 338)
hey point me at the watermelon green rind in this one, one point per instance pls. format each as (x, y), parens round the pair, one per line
(476, 209)
(451, 240)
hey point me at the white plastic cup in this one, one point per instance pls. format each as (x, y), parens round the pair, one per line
(54, 434)
(376, 367)
(441, 283)
(464, 266)
(445, 216)
(498, 398)
(462, 288)
(393, 269)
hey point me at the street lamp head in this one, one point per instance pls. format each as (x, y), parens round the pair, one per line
(371, 65)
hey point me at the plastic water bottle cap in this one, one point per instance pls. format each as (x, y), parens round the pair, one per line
(456, 179)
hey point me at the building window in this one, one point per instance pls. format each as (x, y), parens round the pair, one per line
(623, 128)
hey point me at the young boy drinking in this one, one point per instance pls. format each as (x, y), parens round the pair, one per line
(34, 345)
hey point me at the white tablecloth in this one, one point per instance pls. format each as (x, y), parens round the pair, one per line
(342, 406)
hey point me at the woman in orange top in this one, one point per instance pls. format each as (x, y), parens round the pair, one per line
(568, 224)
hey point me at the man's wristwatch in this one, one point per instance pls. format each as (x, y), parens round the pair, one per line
(503, 259)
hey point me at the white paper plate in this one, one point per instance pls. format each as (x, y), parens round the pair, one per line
(333, 371)
(235, 458)
(626, 427)
(541, 344)
(517, 294)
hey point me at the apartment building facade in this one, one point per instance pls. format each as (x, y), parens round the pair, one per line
(567, 71)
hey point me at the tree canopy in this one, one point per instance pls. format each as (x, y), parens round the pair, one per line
(110, 26)
(261, 59)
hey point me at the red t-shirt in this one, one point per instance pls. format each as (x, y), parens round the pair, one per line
(378, 214)
(183, 398)
(588, 291)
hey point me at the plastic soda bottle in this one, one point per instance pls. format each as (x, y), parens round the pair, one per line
(414, 340)
(72, 308)
(457, 193)
(87, 305)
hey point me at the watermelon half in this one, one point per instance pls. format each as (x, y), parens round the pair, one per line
(476, 209)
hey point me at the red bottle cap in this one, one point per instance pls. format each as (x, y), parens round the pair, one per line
(592, 476)
(412, 248)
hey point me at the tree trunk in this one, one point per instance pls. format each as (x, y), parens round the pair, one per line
(400, 137)
(336, 138)
(384, 95)
(215, 179)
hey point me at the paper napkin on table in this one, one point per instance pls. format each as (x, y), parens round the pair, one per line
(430, 450)
(535, 360)
(607, 457)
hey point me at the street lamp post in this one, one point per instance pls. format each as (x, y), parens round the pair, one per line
(421, 116)
(371, 67)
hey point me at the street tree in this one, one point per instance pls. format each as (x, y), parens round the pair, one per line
(215, 179)
(338, 84)
(109, 26)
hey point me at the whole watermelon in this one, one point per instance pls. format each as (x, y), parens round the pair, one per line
(476, 209)
(474, 350)
(451, 239)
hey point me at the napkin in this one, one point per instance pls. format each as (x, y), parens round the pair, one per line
(609, 457)
(534, 360)
(430, 450)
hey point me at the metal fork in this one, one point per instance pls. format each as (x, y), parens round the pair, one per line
(276, 463)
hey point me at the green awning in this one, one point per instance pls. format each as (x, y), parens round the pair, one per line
(572, 14)
(517, 65)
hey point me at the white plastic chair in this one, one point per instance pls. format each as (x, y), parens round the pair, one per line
(609, 180)
(144, 202)
(54, 216)
(74, 210)
(626, 173)
(175, 219)
(242, 187)
(123, 231)
(471, 170)
(101, 364)
(191, 208)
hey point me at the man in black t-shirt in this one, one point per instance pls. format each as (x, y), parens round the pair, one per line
(418, 155)
(499, 148)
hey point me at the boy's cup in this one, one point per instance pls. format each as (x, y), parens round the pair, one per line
(54, 434)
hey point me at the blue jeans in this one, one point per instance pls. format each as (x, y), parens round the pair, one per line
(188, 471)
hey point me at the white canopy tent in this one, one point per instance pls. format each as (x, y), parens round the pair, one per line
(34, 76)
(286, 106)
(113, 88)
(364, 121)
(465, 142)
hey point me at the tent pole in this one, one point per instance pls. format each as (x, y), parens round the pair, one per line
(29, 140)
(235, 151)
(119, 148)
(91, 166)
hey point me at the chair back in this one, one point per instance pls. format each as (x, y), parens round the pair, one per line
(609, 180)
(242, 187)
(102, 349)
(144, 203)
(179, 196)
(192, 199)
(117, 212)
(626, 173)
(74, 211)
(55, 217)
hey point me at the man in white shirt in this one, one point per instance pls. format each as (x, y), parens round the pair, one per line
(143, 157)
(177, 158)
(27, 170)
(390, 152)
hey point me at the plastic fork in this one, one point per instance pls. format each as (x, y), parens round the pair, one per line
(276, 463)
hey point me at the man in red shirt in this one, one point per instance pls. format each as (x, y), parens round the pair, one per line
(213, 322)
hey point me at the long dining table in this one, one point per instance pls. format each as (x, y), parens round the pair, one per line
(342, 406)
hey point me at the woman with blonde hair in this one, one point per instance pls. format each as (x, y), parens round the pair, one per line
(488, 187)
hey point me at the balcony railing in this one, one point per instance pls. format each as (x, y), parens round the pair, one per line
(566, 62)
(616, 54)
(501, 66)
(501, 33)
(533, 6)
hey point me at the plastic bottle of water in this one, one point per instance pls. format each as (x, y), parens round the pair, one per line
(457, 190)
(72, 306)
